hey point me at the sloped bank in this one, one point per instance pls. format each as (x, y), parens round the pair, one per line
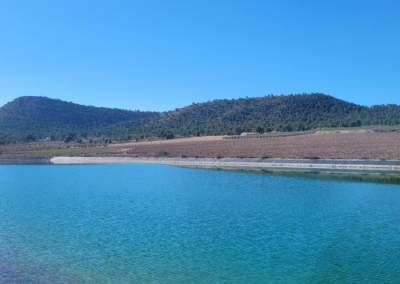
(345, 166)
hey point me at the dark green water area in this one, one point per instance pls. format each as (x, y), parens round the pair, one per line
(149, 223)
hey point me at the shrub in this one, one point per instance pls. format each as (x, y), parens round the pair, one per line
(161, 153)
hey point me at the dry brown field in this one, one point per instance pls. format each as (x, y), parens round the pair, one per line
(379, 146)
(161, 142)
(353, 145)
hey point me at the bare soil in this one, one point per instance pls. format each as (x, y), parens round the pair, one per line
(379, 146)
(353, 145)
(162, 142)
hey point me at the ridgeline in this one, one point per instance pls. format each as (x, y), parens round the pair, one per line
(32, 118)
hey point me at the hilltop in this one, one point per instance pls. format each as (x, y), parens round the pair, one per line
(30, 118)
(264, 114)
(39, 117)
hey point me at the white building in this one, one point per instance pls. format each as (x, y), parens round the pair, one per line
(249, 133)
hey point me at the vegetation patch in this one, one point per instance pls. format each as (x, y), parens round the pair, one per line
(162, 153)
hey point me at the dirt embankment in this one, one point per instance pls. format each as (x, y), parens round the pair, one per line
(355, 166)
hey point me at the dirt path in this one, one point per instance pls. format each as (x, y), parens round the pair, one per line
(161, 142)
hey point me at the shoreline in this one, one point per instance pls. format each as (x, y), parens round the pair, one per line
(248, 164)
(337, 166)
(25, 160)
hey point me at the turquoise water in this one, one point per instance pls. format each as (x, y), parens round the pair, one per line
(138, 223)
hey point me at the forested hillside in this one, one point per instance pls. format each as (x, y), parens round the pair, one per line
(264, 114)
(30, 118)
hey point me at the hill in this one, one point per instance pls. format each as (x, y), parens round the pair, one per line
(264, 114)
(30, 118)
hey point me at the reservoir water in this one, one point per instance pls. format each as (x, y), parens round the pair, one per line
(147, 223)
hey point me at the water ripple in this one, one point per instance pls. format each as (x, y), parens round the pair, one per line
(134, 223)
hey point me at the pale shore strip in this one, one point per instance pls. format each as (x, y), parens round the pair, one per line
(346, 166)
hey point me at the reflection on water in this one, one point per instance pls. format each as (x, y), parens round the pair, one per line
(382, 178)
(368, 178)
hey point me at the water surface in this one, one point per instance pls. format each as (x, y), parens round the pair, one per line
(147, 223)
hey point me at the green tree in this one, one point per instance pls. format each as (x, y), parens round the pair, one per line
(237, 130)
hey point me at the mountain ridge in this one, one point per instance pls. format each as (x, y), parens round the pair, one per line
(44, 117)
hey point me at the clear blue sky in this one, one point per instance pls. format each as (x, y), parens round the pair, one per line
(158, 55)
